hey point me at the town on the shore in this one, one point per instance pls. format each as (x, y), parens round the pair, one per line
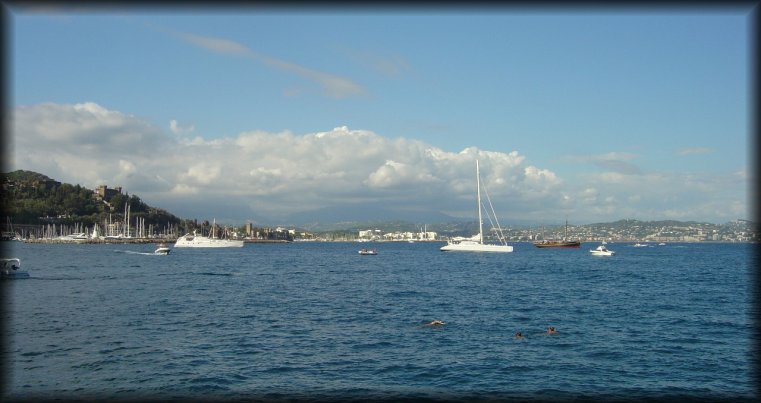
(619, 231)
(40, 209)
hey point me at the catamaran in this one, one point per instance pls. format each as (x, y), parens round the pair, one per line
(476, 242)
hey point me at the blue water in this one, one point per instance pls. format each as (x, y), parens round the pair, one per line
(318, 321)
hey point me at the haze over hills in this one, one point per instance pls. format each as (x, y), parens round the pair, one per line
(359, 216)
(364, 213)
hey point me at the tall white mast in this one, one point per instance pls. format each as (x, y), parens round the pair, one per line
(480, 220)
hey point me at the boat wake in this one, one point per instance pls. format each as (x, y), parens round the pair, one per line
(132, 252)
(217, 274)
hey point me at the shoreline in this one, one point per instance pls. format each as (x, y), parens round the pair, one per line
(117, 241)
(128, 241)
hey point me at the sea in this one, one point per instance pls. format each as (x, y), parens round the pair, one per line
(314, 321)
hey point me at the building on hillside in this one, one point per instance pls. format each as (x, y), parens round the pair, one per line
(371, 235)
(427, 235)
(103, 193)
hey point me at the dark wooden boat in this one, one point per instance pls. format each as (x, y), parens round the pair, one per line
(565, 243)
(557, 244)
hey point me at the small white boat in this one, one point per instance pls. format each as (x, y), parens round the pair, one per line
(368, 252)
(162, 250)
(602, 251)
(76, 237)
(11, 268)
(640, 245)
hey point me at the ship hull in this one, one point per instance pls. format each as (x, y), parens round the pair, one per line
(558, 244)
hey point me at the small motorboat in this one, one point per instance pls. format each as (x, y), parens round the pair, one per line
(162, 250)
(11, 268)
(368, 252)
(602, 251)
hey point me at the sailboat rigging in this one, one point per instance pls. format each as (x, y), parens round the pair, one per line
(476, 242)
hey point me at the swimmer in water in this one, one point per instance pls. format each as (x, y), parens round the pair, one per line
(551, 330)
(435, 322)
(518, 336)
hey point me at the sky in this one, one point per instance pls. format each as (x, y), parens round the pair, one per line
(253, 114)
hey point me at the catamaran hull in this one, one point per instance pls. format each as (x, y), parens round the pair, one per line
(229, 244)
(193, 241)
(476, 248)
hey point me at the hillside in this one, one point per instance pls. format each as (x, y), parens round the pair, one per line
(31, 198)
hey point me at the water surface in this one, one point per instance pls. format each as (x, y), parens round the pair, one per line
(320, 321)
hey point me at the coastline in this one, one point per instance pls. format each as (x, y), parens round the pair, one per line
(129, 241)
(171, 241)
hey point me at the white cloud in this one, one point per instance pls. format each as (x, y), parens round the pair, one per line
(82, 142)
(663, 196)
(333, 86)
(694, 151)
(218, 45)
(202, 173)
(394, 173)
(266, 174)
(616, 162)
(177, 129)
(126, 168)
(389, 65)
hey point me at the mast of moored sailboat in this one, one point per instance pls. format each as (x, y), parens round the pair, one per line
(478, 193)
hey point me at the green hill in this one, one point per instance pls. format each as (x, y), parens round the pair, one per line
(30, 198)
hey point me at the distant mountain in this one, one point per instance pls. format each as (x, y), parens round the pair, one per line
(359, 215)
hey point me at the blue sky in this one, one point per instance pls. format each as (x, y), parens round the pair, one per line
(589, 114)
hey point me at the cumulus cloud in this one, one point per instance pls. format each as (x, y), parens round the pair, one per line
(83, 142)
(273, 172)
(175, 127)
(265, 174)
(663, 196)
(393, 173)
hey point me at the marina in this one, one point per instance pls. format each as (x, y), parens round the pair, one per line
(126, 241)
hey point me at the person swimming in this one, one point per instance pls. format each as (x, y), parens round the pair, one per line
(551, 330)
(518, 336)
